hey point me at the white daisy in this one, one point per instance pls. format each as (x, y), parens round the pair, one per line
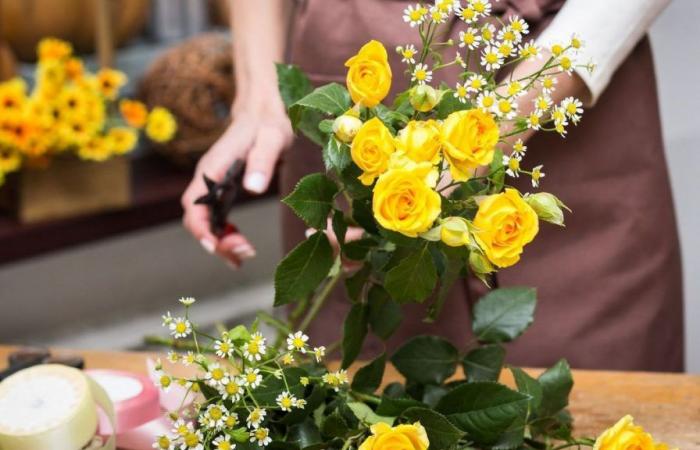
(224, 348)
(529, 50)
(414, 15)
(285, 401)
(548, 85)
(181, 428)
(180, 327)
(542, 103)
(408, 53)
(255, 348)
(167, 319)
(565, 64)
(505, 49)
(297, 342)
(189, 358)
(519, 25)
(533, 120)
(469, 38)
(515, 89)
(475, 83)
(437, 15)
(421, 74)
(216, 375)
(223, 442)
(519, 148)
(214, 416)
(300, 403)
(512, 164)
(482, 7)
(192, 441)
(467, 14)
(255, 417)
(231, 388)
(165, 381)
(488, 32)
(507, 34)
(576, 43)
(173, 357)
(252, 378)
(163, 442)
(486, 101)
(461, 93)
(536, 175)
(506, 108)
(573, 108)
(187, 301)
(491, 59)
(319, 353)
(261, 435)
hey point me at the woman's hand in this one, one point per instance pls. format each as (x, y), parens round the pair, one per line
(260, 131)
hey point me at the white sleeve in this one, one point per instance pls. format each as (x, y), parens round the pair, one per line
(609, 29)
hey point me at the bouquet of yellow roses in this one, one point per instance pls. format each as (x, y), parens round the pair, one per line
(427, 181)
(72, 111)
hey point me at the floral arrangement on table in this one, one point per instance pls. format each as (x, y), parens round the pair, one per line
(426, 180)
(72, 111)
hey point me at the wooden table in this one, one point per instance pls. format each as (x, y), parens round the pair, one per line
(667, 405)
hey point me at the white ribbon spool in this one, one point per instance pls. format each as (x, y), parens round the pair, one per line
(51, 407)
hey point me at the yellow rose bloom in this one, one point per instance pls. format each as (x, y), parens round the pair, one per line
(134, 112)
(404, 200)
(454, 231)
(109, 81)
(122, 139)
(400, 437)
(468, 138)
(420, 141)
(369, 74)
(625, 435)
(161, 125)
(371, 149)
(52, 48)
(504, 224)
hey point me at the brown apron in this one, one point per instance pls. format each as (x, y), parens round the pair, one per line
(609, 285)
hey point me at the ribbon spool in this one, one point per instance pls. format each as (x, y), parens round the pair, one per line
(51, 407)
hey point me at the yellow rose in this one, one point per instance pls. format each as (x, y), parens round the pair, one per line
(454, 231)
(420, 141)
(371, 149)
(400, 437)
(625, 435)
(160, 125)
(504, 224)
(345, 127)
(369, 74)
(468, 138)
(404, 200)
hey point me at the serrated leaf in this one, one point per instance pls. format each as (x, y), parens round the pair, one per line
(328, 99)
(497, 172)
(312, 199)
(503, 314)
(484, 363)
(528, 386)
(354, 332)
(356, 282)
(385, 314)
(266, 394)
(336, 155)
(426, 359)
(484, 410)
(340, 226)
(363, 215)
(303, 269)
(357, 250)
(334, 425)
(414, 278)
(293, 83)
(395, 406)
(448, 277)
(304, 434)
(449, 104)
(368, 378)
(441, 433)
(556, 383)
(365, 414)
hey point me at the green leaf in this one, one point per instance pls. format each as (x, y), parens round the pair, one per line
(356, 282)
(449, 104)
(448, 277)
(528, 386)
(336, 155)
(293, 83)
(357, 250)
(329, 99)
(426, 359)
(385, 314)
(266, 394)
(239, 334)
(556, 383)
(340, 226)
(498, 174)
(365, 414)
(352, 185)
(334, 425)
(354, 332)
(503, 314)
(485, 410)
(394, 120)
(395, 406)
(369, 377)
(312, 199)
(441, 433)
(303, 269)
(304, 434)
(326, 126)
(402, 103)
(362, 214)
(414, 278)
(484, 363)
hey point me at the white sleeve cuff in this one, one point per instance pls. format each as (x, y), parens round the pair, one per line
(609, 29)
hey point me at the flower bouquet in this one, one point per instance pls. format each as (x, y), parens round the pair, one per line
(426, 179)
(72, 114)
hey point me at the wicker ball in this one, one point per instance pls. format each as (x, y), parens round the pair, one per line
(194, 80)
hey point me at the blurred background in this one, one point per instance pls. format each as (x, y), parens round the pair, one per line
(83, 276)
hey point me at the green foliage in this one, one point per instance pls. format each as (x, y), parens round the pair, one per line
(385, 314)
(312, 199)
(354, 332)
(365, 414)
(484, 363)
(369, 377)
(530, 387)
(357, 250)
(414, 278)
(441, 432)
(449, 104)
(303, 269)
(332, 99)
(293, 83)
(503, 314)
(426, 359)
(556, 385)
(336, 155)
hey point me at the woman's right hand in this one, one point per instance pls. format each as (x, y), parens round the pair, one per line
(258, 134)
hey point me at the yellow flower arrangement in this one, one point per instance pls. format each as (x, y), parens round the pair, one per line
(625, 435)
(70, 110)
(400, 437)
(469, 139)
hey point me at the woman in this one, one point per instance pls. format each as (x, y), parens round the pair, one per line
(609, 287)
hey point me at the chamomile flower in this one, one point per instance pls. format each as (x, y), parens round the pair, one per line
(255, 417)
(505, 49)
(335, 379)
(173, 357)
(559, 115)
(573, 108)
(255, 348)
(445, 5)
(252, 378)
(565, 64)
(533, 120)
(536, 175)
(223, 442)
(285, 401)
(231, 420)
(421, 74)
(297, 342)
(319, 353)
(486, 101)
(187, 301)
(180, 327)
(482, 7)
(165, 381)
(560, 127)
(507, 34)
(475, 83)
(181, 428)
(224, 348)
(519, 148)
(189, 358)
(512, 164)
(548, 85)
(542, 103)
(556, 49)
(214, 416)
(518, 25)
(163, 442)
(192, 441)
(288, 359)
(469, 38)
(216, 375)
(529, 50)
(437, 15)
(468, 14)
(459, 60)
(299, 403)
(414, 15)
(515, 89)
(231, 388)
(461, 92)
(408, 53)
(488, 32)
(261, 435)
(167, 319)
(491, 59)
(506, 108)
(576, 43)
(304, 381)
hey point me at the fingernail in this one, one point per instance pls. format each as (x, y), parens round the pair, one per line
(256, 182)
(208, 245)
(309, 232)
(244, 251)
